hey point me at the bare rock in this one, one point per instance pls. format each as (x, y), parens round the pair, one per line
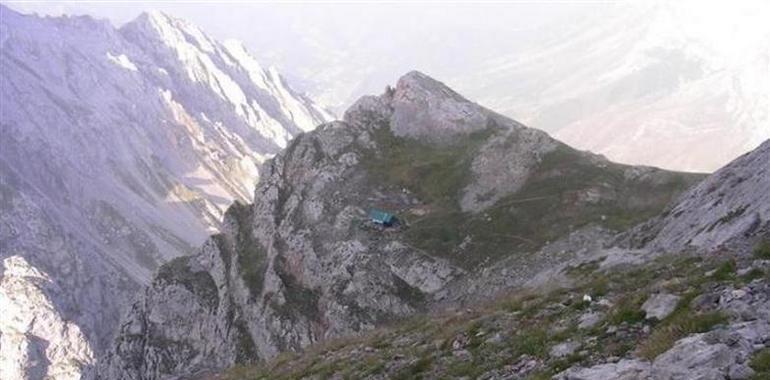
(660, 305)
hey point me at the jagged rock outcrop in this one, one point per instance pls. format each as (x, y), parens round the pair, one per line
(37, 341)
(121, 149)
(723, 353)
(303, 263)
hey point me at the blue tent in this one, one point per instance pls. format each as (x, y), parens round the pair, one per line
(381, 217)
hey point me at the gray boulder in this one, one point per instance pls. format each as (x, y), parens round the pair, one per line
(660, 305)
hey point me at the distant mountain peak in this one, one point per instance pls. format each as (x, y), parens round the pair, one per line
(425, 108)
(416, 85)
(171, 31)
(121, 148)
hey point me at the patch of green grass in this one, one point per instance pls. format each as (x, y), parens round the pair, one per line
(412, 295)
(251, 255)
(546, 374)
(549, 205)
(760, 362)
(753, 275)
(677, 327)
(532, 342)
(725, 272)
(373, 366)
(435, 172)
(563, 364)
(467, 368)
(628, 310)
(416, 369)
(200, 283)
(299, 300)
(599, 285)
(762, 250)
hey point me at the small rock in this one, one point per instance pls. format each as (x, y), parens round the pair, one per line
(660, 305)
(460, 342)
(605, 302)
(740, 372)
(564, 349)
(742, 272)
(738, 293)
(368, 349)
(612, 329)
(462, 354)
(625, 369)
(705, 302)
(494, 339)
(589, 320)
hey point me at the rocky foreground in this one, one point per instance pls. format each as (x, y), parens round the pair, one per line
(684, 317)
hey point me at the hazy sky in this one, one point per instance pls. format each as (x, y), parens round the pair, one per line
(647, 67)
(307, 39)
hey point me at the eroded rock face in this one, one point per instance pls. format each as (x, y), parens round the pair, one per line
(37, 341)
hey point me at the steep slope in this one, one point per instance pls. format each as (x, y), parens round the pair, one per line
(121, 149)
(663, 320)
(728, 210)
(303, 263)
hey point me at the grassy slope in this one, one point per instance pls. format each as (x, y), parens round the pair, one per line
(543, 210)
(524, 327)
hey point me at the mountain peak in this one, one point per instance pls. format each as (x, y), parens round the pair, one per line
(422, 107)
(417, 86)
(170, 30)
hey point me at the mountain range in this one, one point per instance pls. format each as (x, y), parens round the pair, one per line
(121, 149)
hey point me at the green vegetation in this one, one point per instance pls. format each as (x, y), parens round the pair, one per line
(682, 322)
(299, 300)
(553, 202)
(414, 370)
(246, 350)
(628, 310)
(760, 363)
(532, 342)
(251, 255)
(200, 283)
(725, 272)
(521, 327)
(435, 172)
(762, 250)
(413, 296)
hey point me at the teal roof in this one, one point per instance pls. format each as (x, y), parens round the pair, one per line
(380, 216)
